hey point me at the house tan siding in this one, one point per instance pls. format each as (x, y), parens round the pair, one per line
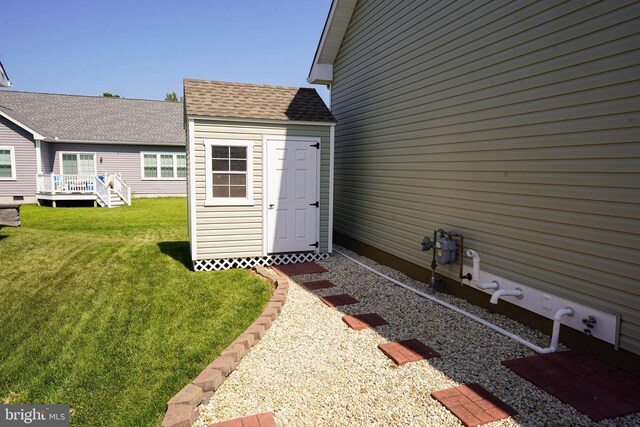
(515, 123)
(24, 150)
(237, 231)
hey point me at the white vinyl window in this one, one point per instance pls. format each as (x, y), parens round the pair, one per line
(83, 164)
(229, 179)
(163, 165)
(7, 164)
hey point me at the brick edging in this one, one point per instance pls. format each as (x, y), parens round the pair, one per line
(183, 408)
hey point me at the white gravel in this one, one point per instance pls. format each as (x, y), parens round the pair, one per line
(310, 369)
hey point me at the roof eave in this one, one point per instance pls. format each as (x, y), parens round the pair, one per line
(35, 134)
(79, 141)
(255, 120)
(4, 77)
(321, 71)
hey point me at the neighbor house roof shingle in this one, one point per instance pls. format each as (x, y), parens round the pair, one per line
(96, 118)
(251, 101)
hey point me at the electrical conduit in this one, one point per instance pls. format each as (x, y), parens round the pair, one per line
(556, 320)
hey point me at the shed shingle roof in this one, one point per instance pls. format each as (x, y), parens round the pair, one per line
(251, 101)
(96, 118)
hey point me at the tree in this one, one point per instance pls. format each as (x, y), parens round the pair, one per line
(110, 95)
(172, 97)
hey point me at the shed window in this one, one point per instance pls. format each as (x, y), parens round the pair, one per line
(164, 166)
(228, 172)
(7, 163)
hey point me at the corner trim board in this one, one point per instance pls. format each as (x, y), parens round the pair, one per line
(192, 189)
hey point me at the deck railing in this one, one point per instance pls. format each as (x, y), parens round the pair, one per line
(122, 189)
(66, 184)
(102, 191)
(52, 184)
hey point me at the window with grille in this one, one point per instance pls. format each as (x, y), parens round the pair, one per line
(7, 163)
(228, 169)
(164, 166)
(82, 164)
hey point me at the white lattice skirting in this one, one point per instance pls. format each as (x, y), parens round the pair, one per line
(224, 264)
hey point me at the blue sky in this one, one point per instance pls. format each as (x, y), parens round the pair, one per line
(143, 49)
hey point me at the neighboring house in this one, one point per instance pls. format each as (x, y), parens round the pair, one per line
(516, 124)
(68, 147)
(259, 183)
(4, 78)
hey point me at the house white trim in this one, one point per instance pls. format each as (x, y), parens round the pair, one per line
(191, 165)
(38, 156)
(210, 200)
(79, 141)
(335, 27)
(158, 173)
(332, 138)
(265, 121)
(12, 157)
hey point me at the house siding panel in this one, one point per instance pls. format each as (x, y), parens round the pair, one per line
(46, 157)
(125, 159)
(237, 231)
(12, 135)
(517, 124)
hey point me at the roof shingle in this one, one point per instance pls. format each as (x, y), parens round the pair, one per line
(251, 101)
(97, 119)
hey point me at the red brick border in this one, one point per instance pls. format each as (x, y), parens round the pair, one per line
(183, 408)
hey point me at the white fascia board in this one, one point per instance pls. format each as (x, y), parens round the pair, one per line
(313, 73)
(4, 78)
(267, 121)
(321, 74)
(35, 134)
(78, 141)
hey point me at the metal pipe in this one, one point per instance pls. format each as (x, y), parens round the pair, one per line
(489, 325)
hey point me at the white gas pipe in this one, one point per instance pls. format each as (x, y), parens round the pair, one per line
(567, 311)
(494, 284)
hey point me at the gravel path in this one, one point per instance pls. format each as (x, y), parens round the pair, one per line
(311, 370)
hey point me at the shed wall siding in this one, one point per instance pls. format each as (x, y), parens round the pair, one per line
(237, 231)
(515, 123)
(12, 135)
(126, 160)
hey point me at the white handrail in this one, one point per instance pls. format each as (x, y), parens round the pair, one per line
(123, 190)
(102, 191)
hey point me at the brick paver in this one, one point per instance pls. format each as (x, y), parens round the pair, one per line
(261, 420)
(338, 300)
(300, 268)
(473, 404)
(363, 321)
(318, 284)
(589, 385)
(406, 351)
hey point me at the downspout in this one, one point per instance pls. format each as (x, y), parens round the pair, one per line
(567, 311)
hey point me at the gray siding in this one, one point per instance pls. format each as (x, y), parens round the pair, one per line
(25, 155)
(47, 157)
(237, 231)
(126, 160)
(517, 124)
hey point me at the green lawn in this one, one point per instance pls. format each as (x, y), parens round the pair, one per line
(98, 310)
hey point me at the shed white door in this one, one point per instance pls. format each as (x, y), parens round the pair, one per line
(292, 193)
